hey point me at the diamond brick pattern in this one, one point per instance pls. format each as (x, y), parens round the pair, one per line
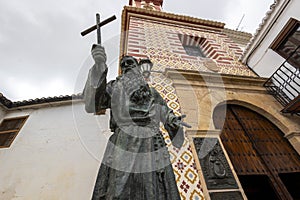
(183, 162)
(161, 42)
(190, 175)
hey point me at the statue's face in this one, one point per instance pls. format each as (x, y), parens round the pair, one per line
(128, 62)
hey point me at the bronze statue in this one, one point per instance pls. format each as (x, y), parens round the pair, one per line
(136, 164)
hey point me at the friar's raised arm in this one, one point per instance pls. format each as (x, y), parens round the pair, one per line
(94, 93)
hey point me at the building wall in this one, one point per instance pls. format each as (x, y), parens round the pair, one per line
(56, 154)
(160, 41)
(211, 90)
(264, 61)
(201, 84)
(240, 38)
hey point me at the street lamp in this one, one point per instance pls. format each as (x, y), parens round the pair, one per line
(146, 66)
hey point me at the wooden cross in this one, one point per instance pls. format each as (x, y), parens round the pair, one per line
(97, 26)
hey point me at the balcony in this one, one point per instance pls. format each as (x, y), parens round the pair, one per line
(284, 85)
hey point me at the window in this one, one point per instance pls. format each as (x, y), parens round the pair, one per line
(9, 128)
(287, 43)
(192, 45)
(193, 50)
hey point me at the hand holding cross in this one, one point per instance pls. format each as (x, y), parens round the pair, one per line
(98, 71)
(97, 26)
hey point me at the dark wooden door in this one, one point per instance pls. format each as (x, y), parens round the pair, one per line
(259, 153)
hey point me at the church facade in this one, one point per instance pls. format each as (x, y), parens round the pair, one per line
(240, 145)
(223, 99)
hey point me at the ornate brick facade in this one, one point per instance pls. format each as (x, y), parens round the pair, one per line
(162, 43)
(160, 36)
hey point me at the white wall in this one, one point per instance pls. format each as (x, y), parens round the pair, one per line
(265, 61)
(56, 155)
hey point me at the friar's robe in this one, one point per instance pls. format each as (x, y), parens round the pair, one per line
(136, 164)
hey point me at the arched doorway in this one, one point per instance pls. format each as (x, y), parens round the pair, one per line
(267, 165)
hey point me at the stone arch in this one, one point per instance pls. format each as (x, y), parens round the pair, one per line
(274, 117)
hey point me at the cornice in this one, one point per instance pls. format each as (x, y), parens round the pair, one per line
(203, 133)
(238, 33)
(292, 135)
(215, 80)
(174, 17)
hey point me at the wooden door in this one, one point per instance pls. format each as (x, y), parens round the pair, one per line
(261, 156)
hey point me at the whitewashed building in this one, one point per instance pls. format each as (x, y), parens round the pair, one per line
(52, 148)
(274, 52)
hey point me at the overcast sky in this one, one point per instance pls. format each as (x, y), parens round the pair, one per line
(42, 53)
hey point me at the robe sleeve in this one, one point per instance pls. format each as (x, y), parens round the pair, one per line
(170, 121)
(95, 93)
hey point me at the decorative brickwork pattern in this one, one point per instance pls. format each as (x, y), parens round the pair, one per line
(161, 43)
(183, 162)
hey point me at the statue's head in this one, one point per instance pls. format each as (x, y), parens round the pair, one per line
(128, 62)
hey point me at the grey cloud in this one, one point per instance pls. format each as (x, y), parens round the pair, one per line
(211, 10)
(40, 40)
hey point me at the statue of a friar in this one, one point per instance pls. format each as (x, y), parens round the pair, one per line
(136, 164)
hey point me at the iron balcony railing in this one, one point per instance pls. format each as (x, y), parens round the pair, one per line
(284, 85)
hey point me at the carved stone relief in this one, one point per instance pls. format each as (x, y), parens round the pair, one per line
(215, 168)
